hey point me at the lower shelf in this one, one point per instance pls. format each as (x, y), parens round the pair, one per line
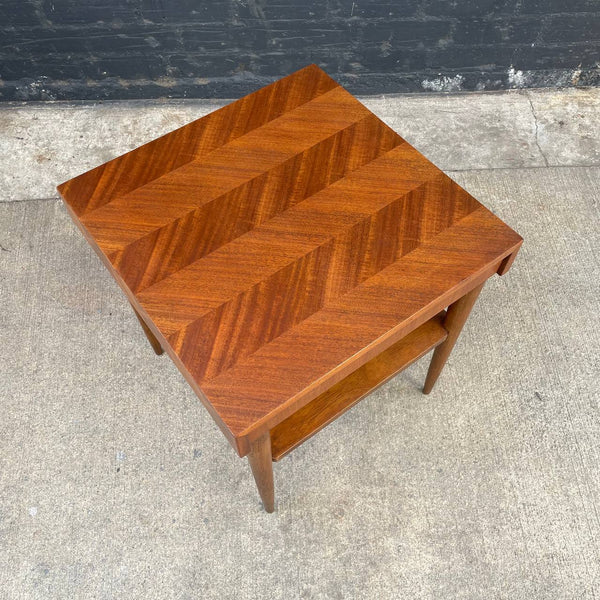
(331, 404)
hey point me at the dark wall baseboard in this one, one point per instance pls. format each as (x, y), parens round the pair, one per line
(124, 49)
(236, 86)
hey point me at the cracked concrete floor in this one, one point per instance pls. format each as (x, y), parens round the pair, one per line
(115, 483)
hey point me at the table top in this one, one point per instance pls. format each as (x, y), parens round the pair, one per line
(278, 243)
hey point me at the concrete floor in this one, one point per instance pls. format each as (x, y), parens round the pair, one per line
(115, 483)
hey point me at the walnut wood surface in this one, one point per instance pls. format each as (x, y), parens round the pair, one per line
(281, 242)
(151, 337)
(261, 464)
(325, 408)
(456, 317)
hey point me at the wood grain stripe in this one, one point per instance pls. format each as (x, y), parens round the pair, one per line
(194, 184)
(243, 395)
(286, 237)
(350, 256)
(152, 160)
(232, 214)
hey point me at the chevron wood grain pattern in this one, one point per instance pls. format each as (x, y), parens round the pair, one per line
(281, 242)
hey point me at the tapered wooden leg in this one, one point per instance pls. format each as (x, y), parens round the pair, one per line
(261, 464)
(506, 264)
(151, 337)
(455, 319)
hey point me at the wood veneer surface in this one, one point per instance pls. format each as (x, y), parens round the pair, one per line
(276, 244)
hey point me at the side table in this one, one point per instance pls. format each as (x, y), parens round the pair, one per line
(290, 252)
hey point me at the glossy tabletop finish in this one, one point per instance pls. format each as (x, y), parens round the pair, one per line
(277, 244)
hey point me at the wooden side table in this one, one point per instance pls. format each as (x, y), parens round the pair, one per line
(290, 252)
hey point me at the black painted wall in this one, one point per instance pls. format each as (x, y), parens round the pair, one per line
(109, 49)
